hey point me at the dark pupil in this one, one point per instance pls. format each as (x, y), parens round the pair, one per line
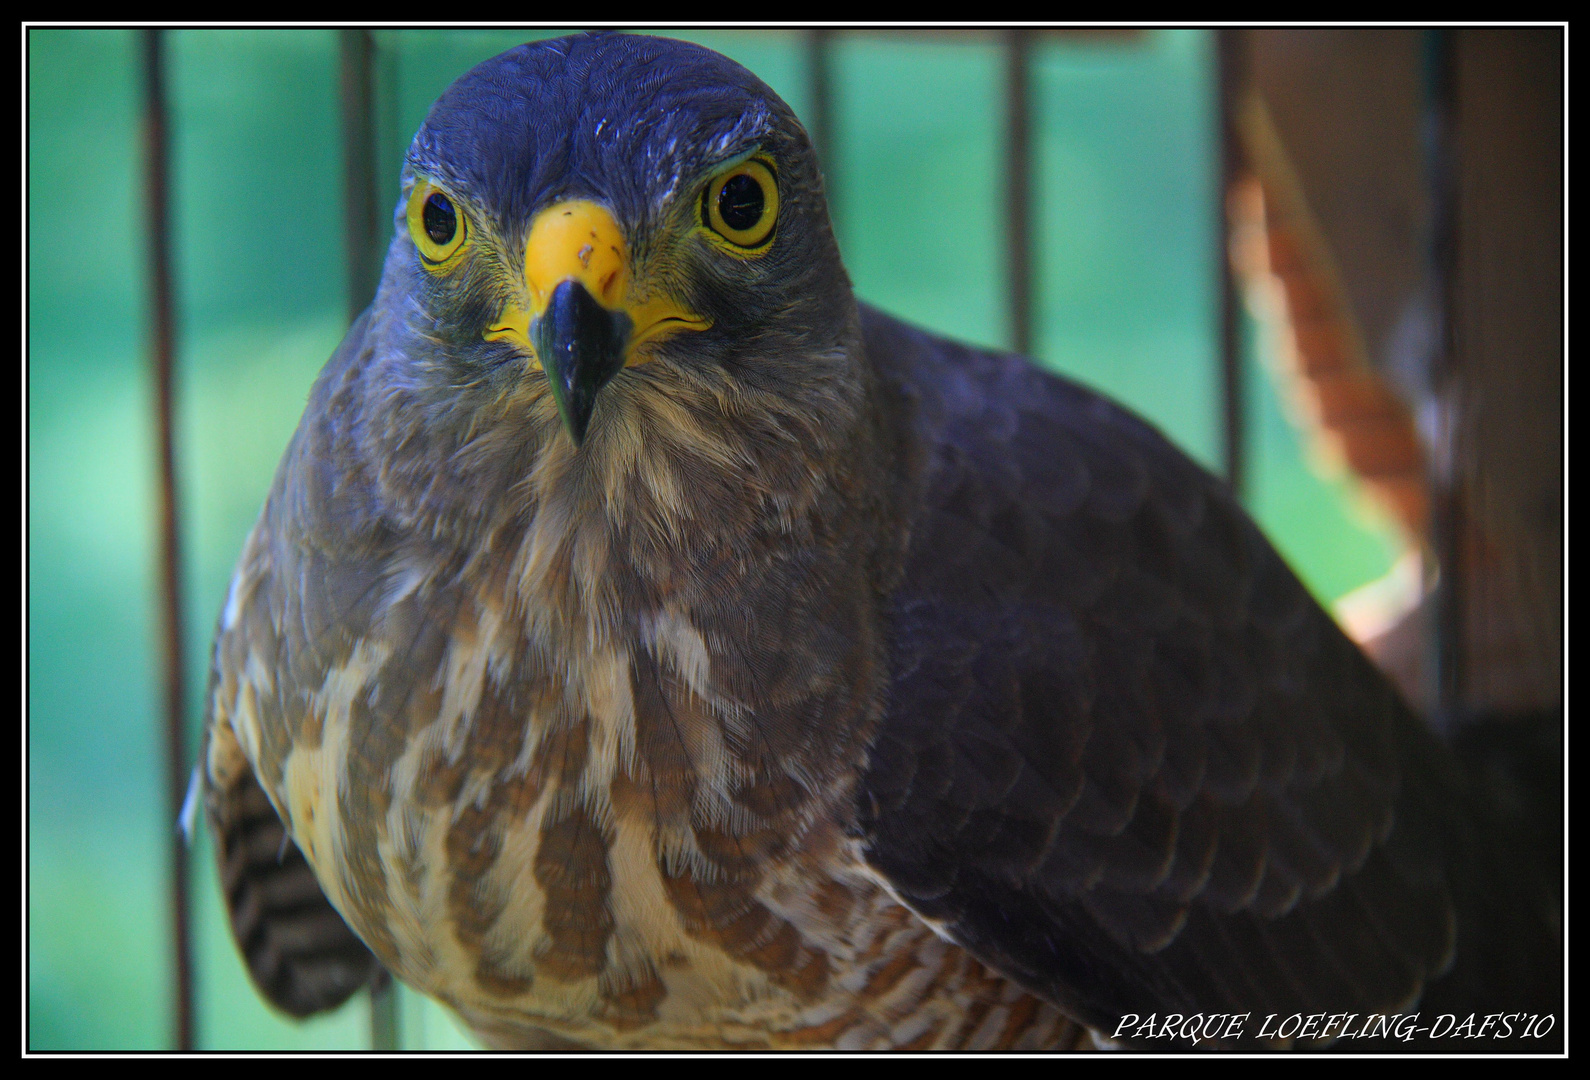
(441, 221)
(740, 202)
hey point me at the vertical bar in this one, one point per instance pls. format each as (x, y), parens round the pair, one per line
(1231, 76)
(819, 43)
(362, 236)
(391, 143)
(1018, 187)
(157, 217)
(385, 1030)
(360, 199)
(1440, 124)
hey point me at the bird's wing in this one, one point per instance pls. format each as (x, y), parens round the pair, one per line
(1127, 759)
(290, 608)
(299, 951)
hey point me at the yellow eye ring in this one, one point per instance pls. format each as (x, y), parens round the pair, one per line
(438, 227)
(740, 204)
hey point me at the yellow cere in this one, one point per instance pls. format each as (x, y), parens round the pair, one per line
(578, 240)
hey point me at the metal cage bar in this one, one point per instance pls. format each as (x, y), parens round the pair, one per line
(819, 76)
(1446, 376)
(1018, 187)
(162, 347)
(362, 238)
(1231, 75)
(362, 213)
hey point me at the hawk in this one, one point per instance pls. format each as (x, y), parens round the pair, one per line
(645, 644)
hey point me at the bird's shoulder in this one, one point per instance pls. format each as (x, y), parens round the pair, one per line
(1126, 758)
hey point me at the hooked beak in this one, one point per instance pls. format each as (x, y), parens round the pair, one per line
(581, 345)
(584, 323)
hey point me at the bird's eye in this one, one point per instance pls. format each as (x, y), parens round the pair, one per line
(435, 224)
(441, 221)
(741, 204)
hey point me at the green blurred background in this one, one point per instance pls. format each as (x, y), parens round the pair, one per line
(1125, 172)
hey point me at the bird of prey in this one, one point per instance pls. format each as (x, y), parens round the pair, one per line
(645, 644)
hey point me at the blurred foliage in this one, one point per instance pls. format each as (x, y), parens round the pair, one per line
(1125, 283)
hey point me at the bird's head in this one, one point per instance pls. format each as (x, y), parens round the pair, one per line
(594, 227)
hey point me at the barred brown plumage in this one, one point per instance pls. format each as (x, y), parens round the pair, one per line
(646, 645)
(298, 949)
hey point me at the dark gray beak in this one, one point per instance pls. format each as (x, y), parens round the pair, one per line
(581, 345)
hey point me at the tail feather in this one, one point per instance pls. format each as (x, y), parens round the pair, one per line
(299, 951)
